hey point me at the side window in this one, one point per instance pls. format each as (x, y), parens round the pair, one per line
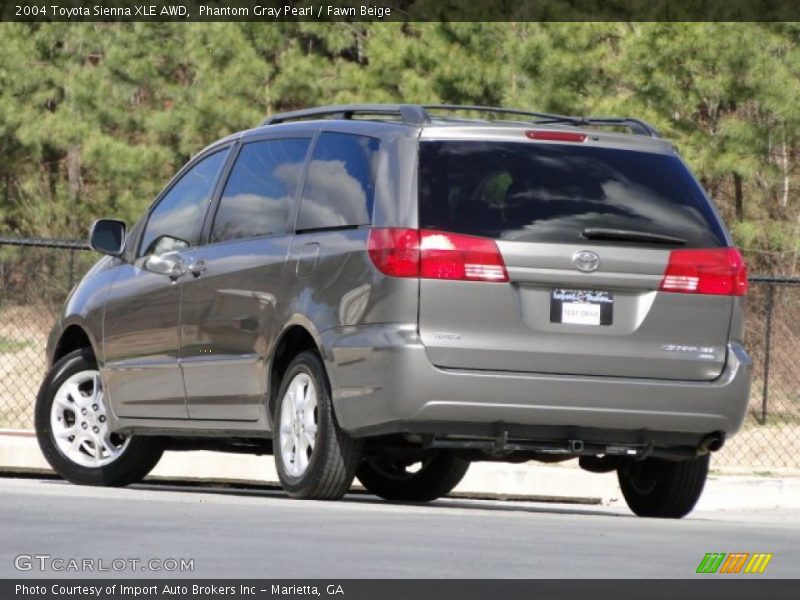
(340, 186)
(259, 195)
(176, 221)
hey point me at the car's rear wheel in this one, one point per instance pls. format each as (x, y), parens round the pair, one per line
(314, 458)
(71, 419)
(663, 488)
(394, 479)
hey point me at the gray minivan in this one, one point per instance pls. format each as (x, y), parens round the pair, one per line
(390, 292)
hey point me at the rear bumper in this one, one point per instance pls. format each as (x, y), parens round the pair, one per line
(383, 382)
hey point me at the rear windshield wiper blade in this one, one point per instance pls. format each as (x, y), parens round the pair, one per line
(626, 235)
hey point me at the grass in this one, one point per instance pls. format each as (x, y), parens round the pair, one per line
(11, 346)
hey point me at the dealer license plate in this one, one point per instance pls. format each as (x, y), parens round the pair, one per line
(581, 307)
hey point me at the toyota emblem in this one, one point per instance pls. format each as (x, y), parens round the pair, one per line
(586, 261)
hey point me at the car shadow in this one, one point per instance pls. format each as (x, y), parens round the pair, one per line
(537, 505)
(533, 505)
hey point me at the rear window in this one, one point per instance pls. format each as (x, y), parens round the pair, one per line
(553, 192)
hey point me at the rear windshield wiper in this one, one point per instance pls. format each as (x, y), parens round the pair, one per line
(626, 235)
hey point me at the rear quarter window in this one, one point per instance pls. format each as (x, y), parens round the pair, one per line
(340, 185)
(553, 192)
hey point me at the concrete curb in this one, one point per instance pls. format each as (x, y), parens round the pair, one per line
(533, 482)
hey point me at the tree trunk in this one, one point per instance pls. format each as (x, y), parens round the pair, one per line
(785, 170)
(738, 196)
(74, 172)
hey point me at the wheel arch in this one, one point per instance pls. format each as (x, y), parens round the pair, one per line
(73, 337)
(299, 335)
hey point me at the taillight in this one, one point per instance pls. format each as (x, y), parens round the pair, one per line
(395, 252)
(718, 271)
(555, 136)
(436, 255)
(464, 257)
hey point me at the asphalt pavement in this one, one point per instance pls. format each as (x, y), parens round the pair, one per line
(259, 532)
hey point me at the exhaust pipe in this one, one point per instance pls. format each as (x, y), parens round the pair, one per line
(711, 443)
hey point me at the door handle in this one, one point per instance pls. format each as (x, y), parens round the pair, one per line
(197, 267)
(169, 264)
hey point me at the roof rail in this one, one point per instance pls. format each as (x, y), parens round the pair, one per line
(636, 126)
(492, 109)
(416, 114)
(411, 114)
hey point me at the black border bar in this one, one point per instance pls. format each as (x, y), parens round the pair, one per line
(398, 10)
(709, 587)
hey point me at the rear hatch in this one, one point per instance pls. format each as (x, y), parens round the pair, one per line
(586, 232)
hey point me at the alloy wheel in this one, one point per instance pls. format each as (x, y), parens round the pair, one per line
(79, 422)
(298, 424)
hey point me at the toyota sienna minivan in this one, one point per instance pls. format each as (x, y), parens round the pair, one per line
(390, 292)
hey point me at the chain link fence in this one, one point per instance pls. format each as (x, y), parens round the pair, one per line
(36, 276)
(770, 436)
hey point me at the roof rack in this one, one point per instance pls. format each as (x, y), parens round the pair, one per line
(636, 126)
(418, 114)
(411, 114)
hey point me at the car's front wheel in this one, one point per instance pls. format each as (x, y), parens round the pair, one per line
(394, 479)
(71, 419)
(662, 488)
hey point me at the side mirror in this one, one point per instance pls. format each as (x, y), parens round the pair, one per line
(108, 236)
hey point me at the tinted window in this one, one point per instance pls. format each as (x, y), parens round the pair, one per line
(553, 192)
(176, 221)
(260, 191)
(340, 188)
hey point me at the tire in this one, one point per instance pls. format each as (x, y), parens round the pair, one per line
(314, 458)
(663, 488)
(439, 474)
(72, 387)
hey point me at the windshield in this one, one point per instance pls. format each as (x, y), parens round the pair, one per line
(555, 192)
